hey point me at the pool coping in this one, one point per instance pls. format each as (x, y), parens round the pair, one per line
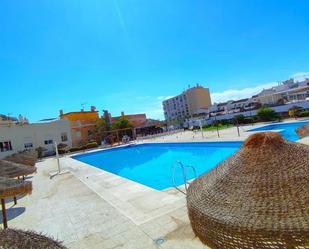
(136, 201)
(275, 123)
(154, 143)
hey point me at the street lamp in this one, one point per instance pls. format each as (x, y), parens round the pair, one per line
(201, 127)
(8, 115)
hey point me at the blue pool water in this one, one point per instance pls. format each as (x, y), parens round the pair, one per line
(151, 164)
(288, 129)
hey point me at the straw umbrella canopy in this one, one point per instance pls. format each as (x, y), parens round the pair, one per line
(257, 198)
(16, 239)
(22, 158)
(303, 131)
(32, 153)
(12, 170)
(11, 188)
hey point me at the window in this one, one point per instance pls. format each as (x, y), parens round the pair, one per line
(64, 137)
(46, 142)
(5, 146)
(28, 145)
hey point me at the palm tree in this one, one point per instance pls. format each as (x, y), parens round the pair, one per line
(122, 123)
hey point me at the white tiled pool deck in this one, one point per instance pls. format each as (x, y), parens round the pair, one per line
(102, 212)
(91, 208)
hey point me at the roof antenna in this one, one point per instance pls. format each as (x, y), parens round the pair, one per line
(83, 105)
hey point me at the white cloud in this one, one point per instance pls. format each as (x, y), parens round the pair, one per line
(164, 97)
(240, 93)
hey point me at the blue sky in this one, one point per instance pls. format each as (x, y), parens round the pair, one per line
(130, 54)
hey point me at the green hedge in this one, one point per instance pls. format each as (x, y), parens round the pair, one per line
(267, 114)
(61, 151)
(73, 149)
(91, 145)
(84, 147)
(304, 114)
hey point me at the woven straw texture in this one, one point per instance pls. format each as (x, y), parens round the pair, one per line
(303, 131)
(10, 169)
(27, 158)
(18, 239)
(12, 187)
(257, 198)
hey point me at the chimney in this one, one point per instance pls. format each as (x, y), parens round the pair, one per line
(122, 114)
(61, 112)
(93, 108)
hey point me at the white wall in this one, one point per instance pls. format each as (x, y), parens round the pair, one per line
(35, 133)
(279, 109)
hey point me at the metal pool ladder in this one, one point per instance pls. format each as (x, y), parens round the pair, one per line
(184, 175)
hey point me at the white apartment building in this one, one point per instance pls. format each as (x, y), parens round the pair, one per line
(16, 137)
(232, 106)
(287, 91)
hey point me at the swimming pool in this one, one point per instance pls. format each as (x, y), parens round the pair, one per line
(151, 164)
(288, 129)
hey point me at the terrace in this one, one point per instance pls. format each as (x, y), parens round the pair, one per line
(92, 208)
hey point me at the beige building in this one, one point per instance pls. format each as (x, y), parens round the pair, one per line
(185, 105)
(285, 92)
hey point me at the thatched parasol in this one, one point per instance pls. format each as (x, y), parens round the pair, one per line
(11, 188)
(22, 158)
(258, 198)
(11, 169)
(16, 239)
(31, 153)
(303, 131)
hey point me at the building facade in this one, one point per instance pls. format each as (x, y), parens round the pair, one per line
(281, 109)
(19, 137)
(280, 98)
(136, 119)
(287, 91)
(82, 125)
(185, 105)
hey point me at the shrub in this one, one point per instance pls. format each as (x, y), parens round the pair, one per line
(206, 126)
(62, 146)
(73, 149)
(91, 145)
(294, 111)
(224, 122)
(239, 118)
(267, 114)
(40, 150)
(250, 120)
(61, 151)
(304, 114)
